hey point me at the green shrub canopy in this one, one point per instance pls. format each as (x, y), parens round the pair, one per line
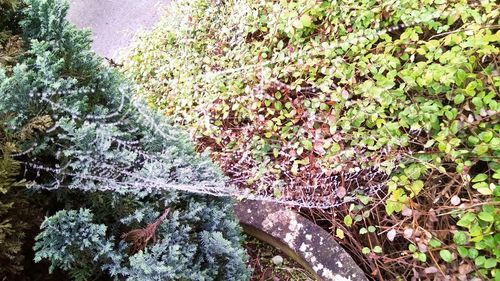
(287, 94)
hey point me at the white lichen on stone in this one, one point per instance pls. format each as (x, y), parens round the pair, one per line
(329, 275)
(309, 237)
(294, 225)
(341, 278)
(268, 223)
(339, 264)
(308, 254)
(318, 267)
(289, 239)
(249, 211)
(303, 247)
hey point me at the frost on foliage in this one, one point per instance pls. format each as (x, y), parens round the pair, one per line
(197, 241)
(101, 139)
(115, 161)
(69, 238)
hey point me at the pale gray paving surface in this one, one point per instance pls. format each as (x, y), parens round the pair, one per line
(114, 22)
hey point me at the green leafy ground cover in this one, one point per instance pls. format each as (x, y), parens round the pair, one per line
(393, 103)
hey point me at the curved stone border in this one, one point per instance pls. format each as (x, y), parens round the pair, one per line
(300, 239)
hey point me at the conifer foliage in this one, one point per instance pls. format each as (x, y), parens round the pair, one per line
(196, 241)
(11, 231)
(115, 165)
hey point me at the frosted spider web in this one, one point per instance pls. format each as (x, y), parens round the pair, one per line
(138, 177)
(107, 175)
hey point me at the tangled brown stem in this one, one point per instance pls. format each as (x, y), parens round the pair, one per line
(139, 238)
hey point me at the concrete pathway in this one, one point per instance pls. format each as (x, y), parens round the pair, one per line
(114, 22)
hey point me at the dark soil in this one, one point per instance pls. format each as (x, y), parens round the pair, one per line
(261, 256)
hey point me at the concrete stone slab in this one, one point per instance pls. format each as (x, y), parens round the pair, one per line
(300, 239)
(114, 22)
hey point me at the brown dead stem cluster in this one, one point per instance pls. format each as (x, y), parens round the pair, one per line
(426, 216)
(138, 239)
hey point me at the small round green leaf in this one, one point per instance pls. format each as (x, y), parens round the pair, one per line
(460, 238)
(348, 220)
(462, 251)
(480, 177)
(445, 255)
(459, 99)
(485, 216)
(377, 249)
